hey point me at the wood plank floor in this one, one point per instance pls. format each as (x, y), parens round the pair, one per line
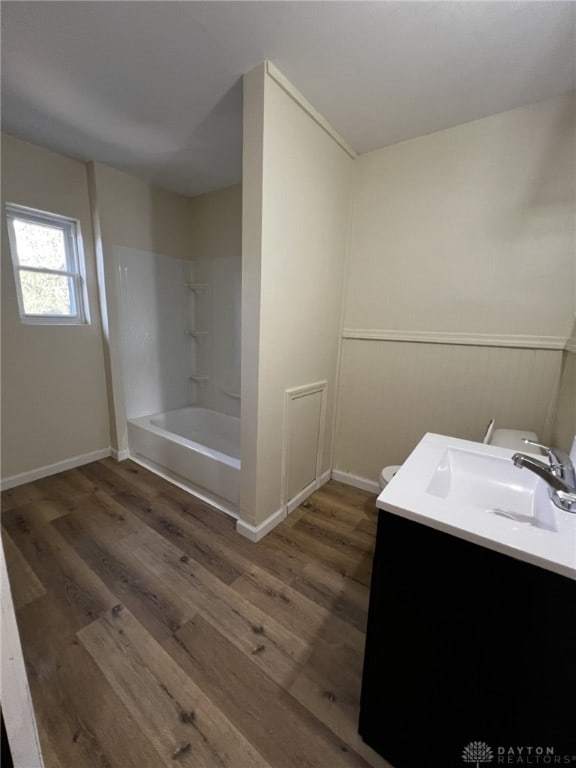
(154, 635)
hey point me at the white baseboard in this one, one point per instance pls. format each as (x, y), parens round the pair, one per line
(257, 532)
(300, 497)
(308, 491)
(53, 469)
(356, 481)
(120, 455)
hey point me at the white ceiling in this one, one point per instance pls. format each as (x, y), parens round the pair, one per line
(154, 88)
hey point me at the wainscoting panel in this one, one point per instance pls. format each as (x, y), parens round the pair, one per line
(392, 393)
(564, 427)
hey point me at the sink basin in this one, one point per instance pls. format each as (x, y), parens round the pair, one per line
(473, 491)
(492, 484)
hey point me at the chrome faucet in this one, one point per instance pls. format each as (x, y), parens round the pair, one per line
(559, 474)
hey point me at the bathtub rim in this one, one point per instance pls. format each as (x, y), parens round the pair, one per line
(144, 423)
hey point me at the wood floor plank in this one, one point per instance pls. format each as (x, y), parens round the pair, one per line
(51, 759)
(65, 486)
(55, 489)
(345, 505)
(101, 513)
(155, 635)
(340, 513)
(271, 646)
(59, 568)
(194, 509)
(329, 687)
(187, 533)
(356, 498)
(297, 514)
(20, 496)
(343, 596)
(106, 480)
(182, 722)
(221, 551)
(298, 613)
(368, 526)
(25, 585)
(349, 541)
(45, 510)
(75, 704)
(76, 483)
(138, 478)
(284, 734)
(159, 609)
(292, 540)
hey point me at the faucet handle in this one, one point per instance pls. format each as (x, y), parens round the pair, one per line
(557, 458)
(546, 448)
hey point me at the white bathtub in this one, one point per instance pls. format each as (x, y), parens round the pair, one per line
(195, 447)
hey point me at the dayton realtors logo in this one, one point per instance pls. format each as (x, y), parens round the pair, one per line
(479, 753)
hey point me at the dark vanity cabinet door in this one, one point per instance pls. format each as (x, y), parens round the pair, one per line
(465, 645)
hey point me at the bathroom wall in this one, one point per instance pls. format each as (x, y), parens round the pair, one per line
(158, 356)
(130, 213)
(564, 428)
(54, 405)
(297, 184)
(216, 248)
(138, 214)
(460, 290)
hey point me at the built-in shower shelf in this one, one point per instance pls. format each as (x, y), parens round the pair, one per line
(199, 379)
(197, 287)
(196, 334)
(235, 395)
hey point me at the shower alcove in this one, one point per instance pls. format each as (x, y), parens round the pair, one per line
(179, 339)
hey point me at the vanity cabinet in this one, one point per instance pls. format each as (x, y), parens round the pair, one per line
(465, 644)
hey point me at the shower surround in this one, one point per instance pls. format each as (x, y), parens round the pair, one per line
(180, 342)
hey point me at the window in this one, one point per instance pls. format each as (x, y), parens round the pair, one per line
(48, 268)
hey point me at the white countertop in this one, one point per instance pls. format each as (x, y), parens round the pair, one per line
(408, 495)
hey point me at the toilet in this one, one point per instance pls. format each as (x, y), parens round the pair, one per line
(509, 438)
(387, 474)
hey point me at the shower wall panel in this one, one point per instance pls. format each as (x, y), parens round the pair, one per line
(155, 314)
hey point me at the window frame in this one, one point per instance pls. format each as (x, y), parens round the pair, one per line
(75, 267)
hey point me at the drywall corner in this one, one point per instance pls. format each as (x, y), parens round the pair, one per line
(113, 403)
(298, 176)
(252, 203)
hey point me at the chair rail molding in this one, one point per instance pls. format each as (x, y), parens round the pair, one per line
(458, 337)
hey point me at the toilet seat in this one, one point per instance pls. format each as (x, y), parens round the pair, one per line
(387, 474)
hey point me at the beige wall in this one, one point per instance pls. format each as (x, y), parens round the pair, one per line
(465, 231)
(564, 427)
(216, 248)
(216, 223)
(392, 393)
(469, 229)
(252, 201)
(137, 214)
(130, 212)
(293, 264)
(54, 404)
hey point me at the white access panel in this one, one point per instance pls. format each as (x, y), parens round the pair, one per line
(304, 430)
